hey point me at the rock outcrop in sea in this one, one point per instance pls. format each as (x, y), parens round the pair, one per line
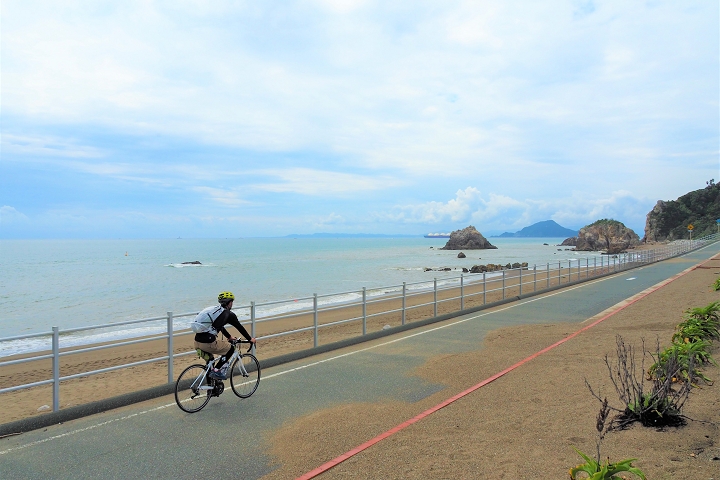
(569, 242)
(467, 239)
(609, 236)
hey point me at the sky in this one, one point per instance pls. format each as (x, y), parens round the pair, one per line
(165, 119)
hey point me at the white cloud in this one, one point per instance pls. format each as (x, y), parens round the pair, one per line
(9, 217)
(330, 220)
(349, 80)
(308, 181)
(501, 212)
(47, 147)
(527, 102)
(227, 198)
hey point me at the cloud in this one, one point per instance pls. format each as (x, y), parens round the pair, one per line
(459, 209)
(9, 216)
(306, 181)
(47, 147)
(227, 198)
(562, 110)
(504, 213)
(329, 220)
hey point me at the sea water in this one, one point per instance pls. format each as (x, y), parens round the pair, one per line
(79, 283)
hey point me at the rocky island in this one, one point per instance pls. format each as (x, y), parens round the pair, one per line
(605, 235)
(467, 239)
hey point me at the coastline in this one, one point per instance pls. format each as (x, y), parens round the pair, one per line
(106, 385)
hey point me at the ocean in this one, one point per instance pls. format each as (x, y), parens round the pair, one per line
(77, 283)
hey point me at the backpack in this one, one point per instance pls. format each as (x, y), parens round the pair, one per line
(204, 320)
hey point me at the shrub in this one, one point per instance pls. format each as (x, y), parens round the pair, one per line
(710, 312)
(658, 404)
(687, 359)
(695, 329)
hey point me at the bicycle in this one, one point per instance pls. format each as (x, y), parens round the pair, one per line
(194, 387)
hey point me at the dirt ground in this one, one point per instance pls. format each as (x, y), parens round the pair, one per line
(525, 424)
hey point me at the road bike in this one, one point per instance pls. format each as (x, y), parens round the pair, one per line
(194, 387)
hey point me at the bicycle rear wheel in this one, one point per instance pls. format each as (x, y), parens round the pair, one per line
(191, 395)
(244, 381)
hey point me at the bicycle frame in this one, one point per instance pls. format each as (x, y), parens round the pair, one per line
(200, 380)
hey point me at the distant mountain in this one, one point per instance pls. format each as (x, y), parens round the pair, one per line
(548, 228)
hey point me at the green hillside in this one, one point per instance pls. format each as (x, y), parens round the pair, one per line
(700, 208)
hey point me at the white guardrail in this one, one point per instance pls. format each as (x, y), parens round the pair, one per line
(519, 280)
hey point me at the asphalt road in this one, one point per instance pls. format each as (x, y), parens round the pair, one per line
(155, 439)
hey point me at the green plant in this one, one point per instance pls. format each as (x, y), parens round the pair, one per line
(710, 312)
(687, 359)
(592, 467)
(694, 329)
(605, 471)
(701, 323)
(716, 285)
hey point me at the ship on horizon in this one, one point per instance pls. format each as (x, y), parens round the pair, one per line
(437, 235)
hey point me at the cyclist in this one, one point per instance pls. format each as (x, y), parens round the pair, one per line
(219, 342)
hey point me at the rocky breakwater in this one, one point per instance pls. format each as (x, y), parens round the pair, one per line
(490, 267)
(606, 235)
(467, 239)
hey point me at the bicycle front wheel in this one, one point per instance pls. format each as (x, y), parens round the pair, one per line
(245, 375)
(193, 389)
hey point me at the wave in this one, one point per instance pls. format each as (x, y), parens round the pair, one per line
(190, 265)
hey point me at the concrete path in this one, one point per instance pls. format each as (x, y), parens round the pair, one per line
(156, 439)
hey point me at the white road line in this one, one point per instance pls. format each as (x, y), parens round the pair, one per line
(540, 297)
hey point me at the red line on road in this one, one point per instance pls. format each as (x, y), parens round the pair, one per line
(337, 460)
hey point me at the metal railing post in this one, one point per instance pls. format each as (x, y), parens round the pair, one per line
(520, 281)
(403, 302)
(171, 349)
(315, 320)
(484, 289)
(535, 278)
(435, 297)
(364, 311)
(547, 275)
(56, 368)
(252, 323)
(462, 292)
(503, 286)
(559, 273)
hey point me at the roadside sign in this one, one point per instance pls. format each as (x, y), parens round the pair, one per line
(690, 227)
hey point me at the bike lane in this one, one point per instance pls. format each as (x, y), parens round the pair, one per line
(157, 440)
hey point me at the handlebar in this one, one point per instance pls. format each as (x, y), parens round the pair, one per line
(238, 341)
